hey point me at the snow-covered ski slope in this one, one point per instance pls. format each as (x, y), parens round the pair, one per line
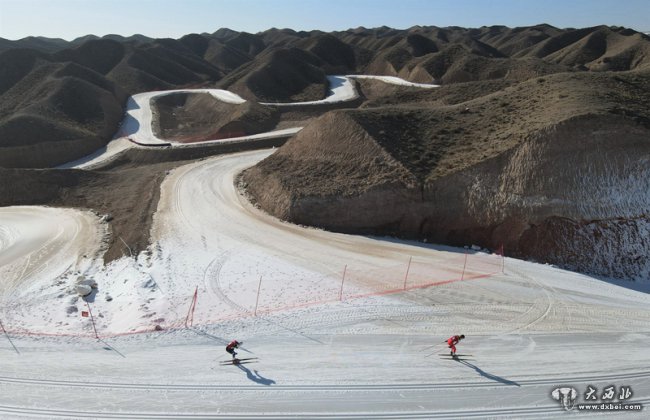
(344, 326)
(39, 243)
(530, 329)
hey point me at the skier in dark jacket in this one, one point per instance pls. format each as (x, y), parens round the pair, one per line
(230, 348)
(452, 341)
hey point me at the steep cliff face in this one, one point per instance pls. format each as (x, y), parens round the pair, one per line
(603, 197)
(575, 194)
(334, 169)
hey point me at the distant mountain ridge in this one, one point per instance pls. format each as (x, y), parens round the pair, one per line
(277, 65)
(50, 45)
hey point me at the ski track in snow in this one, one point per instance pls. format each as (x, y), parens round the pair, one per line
(364, 355)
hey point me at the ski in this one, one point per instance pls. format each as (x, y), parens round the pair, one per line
(457, 355)
(456, 358)
(237, 361)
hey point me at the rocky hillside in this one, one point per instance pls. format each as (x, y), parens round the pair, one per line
(281, 75)
(57, 107)
(277, 65)
(194, 117)
(51, 112)
(554, 168)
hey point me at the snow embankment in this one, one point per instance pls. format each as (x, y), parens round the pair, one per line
(341, 90)
(100, 156)
(43, 251)
(138, 118)
(394, 81)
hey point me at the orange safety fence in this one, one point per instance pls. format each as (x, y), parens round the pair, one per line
(353, 283)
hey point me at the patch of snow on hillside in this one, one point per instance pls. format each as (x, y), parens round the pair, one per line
(395, 81)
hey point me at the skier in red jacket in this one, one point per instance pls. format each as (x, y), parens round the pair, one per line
(452, 341)
(230, 348)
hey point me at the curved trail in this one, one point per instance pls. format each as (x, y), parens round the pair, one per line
(309, 260)
(136, 130)
(41, 242)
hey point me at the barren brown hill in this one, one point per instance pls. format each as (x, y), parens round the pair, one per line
(16, 64)
(592, 47)
(282, 75)
(249, 44)
(528, 166)
(509, 41)
(336, 56)
(281, 65)
(223, 57)
(57, 108)
(36, 43)
(451, 55)
(275, 36)
(164, 64)
(100, 55)
(56, 113)
(462, 61)
(193, 117)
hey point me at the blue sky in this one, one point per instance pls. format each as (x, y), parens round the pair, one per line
(69, 19)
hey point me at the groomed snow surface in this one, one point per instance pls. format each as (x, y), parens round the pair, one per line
(369, 349)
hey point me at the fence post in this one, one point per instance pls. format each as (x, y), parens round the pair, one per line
(259, 287)
(92, 319)
(127, 247)
(8, 338)
(189, 319)
(503, 260)
(462, 276)
(407, 271)
(342, 281)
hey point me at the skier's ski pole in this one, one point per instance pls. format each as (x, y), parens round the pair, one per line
(429, 355)
(247, 351)
(429, 347)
